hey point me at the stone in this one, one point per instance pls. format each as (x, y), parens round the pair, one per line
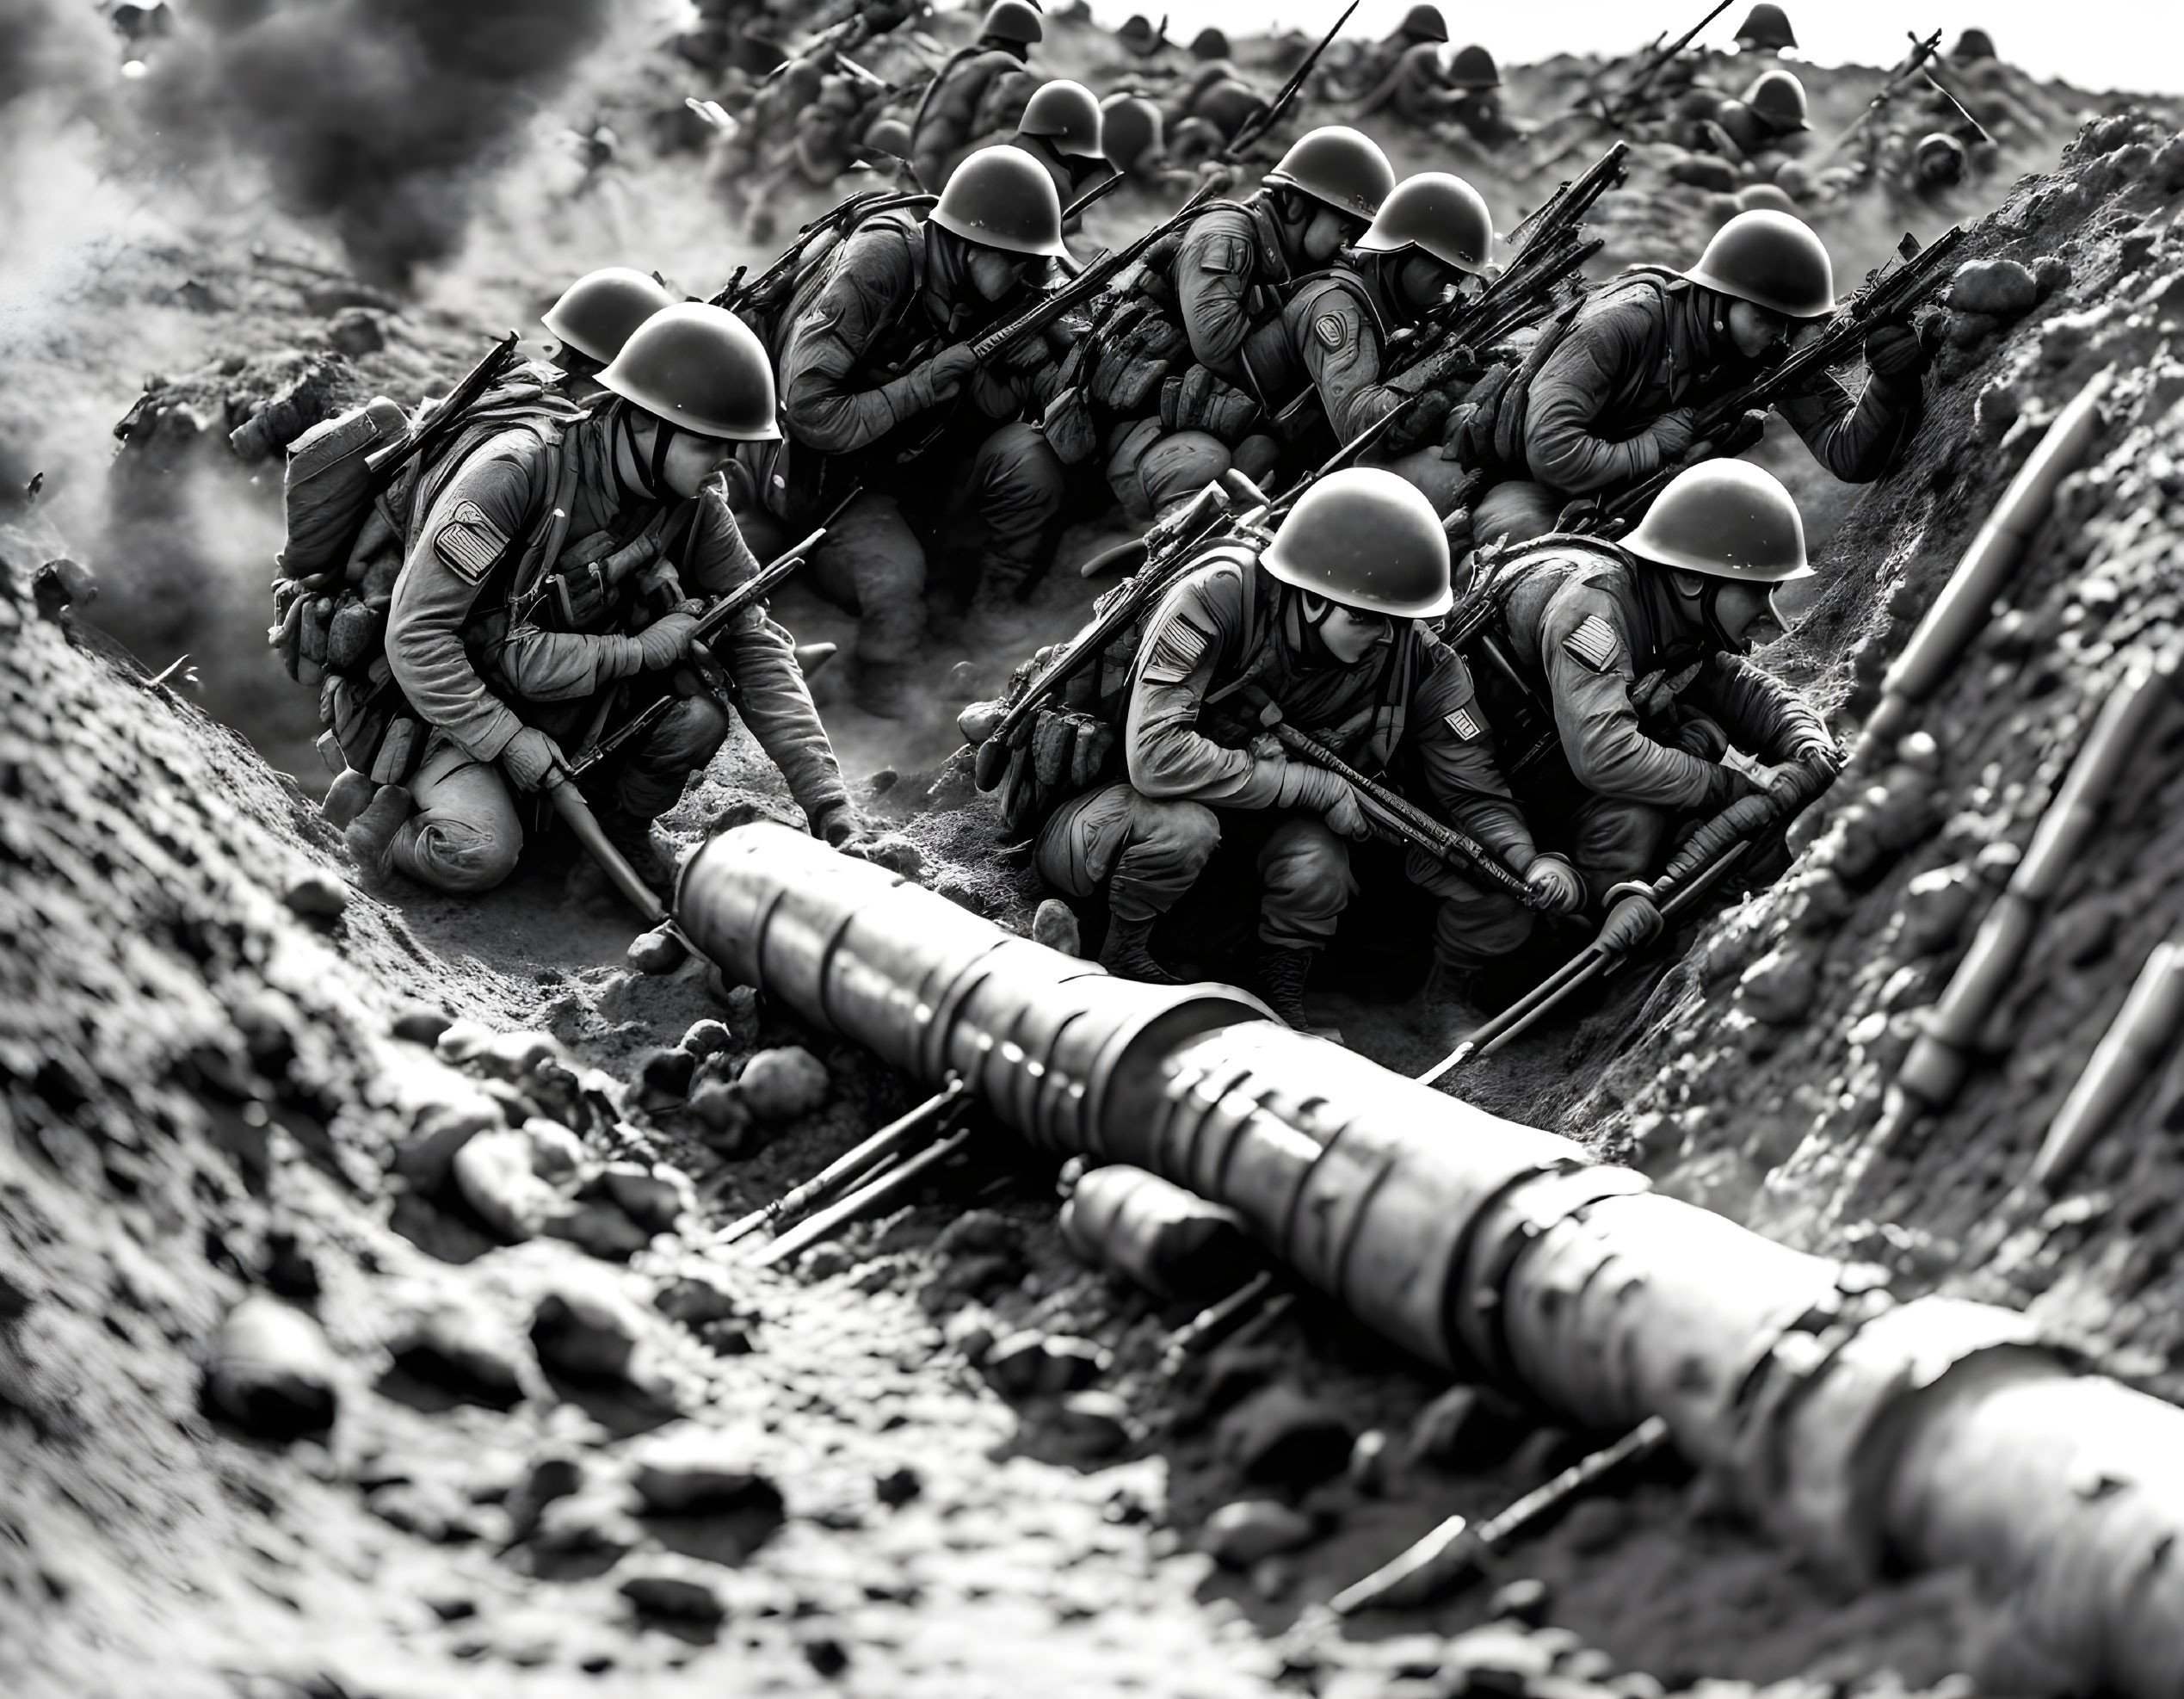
(546, 1479)
(1371, 1453)
(1055, 925)
(2003, 287)
(356, 331)
(782, 1085)
(826, 1655)
(693, 1470)
(1525, 1601)
(1504, 1649)
(493, 1173)
(707, 1038)
(1097, 1423)
(585, 1328)
(898, 1486)
(1242, 1533)
(317, 895)
(1280, 1435)
(465, 1350)
(651, 1197)
(1779, 987)
(696, 1299)
(1272, 1578)
(433, 1510)
(1594, 1524)
(271, 1371)
(656, 952)
(1465, 1428)
(1968, 329)
(421, 1025)
(514, 1057)
(729, 1126)
(979, 1231)
(2050, 272)
(681, 1599)
(600, 1228)
(556, 1152)
(663, 1075)
(1936, 904)
(585, 1523)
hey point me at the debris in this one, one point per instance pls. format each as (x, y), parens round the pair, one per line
(1097, 1422)
(1281, 1435)
(656, 951)
(663, 1076)
(874, 1193)
(707, 1038)
(317, 895)
(846, 1169)
(693, 1470)
(464, 1350)
(1240, 1534)
(1464, 1429)
(2001, 287)
(1167, 1240)
(1031, 1364)
(493, 1173)
(271, 1371)
(782, 1085)
(899, 1486)
(1055, 925)
(1778, 988)
(421, 1025)
(584, 1328)
(651, 1197)
(680, 1598)
(1525, 1601)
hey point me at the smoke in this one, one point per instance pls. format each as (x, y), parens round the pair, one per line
(45, 44)
(377, 115)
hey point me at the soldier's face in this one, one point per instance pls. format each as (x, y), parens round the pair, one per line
(994, 274)
(1350, 635)
(1422, 280)
(1746, 615)
(691, 460)
(1753, 329)
(1329, 233)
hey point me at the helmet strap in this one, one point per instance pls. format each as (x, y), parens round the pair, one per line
(650, 478)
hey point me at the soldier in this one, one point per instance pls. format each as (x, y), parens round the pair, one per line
(1635, 656)
(1209, 43)
(1132, 136)
(1477, 103)
(508, 680)
(980, 92)
(1973, 46)
(1231, 271)
(1614, 399)
(1060, 128)
(1423, 26)
(1331, 621)
(1762, 129)
(1766, 30)
(866, 411)
(1415, 85)
(595, 316)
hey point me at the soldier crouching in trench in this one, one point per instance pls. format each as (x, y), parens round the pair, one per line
(509, 677)
(1331, 621)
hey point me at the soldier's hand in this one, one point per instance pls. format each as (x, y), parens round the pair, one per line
(1632, 922)
(1822, 753)
(950, 369)
(1895, 353)
(531, 759)
(1791, 785)
(1726, 785)
(1557, 882)
(1347, 817)
(667, 640)
(1674, 431)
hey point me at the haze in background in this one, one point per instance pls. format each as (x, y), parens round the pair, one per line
(2096, 44)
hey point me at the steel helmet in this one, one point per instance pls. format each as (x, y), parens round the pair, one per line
(1973, 44)
(1765, 197)
(1726, 519)
(1067, 114)
(701, 367)
(1771, 260)
(1425, 23)
(891, 136)
(1000, 197)
(1340, 166)
(1209, 43)
(1131, 132)
(597, 312)
(1767, 27)
(1779, 97)
(1368, 539)
(1011, 21)
(1440, 214)
(1940, 155)
(1473, 67)
(1138, 35)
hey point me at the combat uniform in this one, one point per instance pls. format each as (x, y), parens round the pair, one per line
(1644, 703)
(977, 95)
(1415, 86)
(1640, 348)
(472, 648)
(858, 410)
(1196, 777)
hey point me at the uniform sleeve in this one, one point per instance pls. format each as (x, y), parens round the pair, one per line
(1341, 351)
(1586, 660)
(1762, 713)
(1455, 749)
(1856, 434)
(771, 694)
(826, 408)
(1213, 269)
(1569, 393)
(1195, 625)
(485, 509)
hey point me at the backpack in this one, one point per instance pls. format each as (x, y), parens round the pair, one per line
(348, 525)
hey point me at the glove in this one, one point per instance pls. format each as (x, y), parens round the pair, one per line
(1555, 881)
(531, 759)
(1674, 432)
(1347, 817)
(1312, 789)
(667, 640)
(1423, 416)
(1724, 785)
(1791, 785)
(1822, 752)
(840, 826)
(1699, 735)
(1895, 355)
(1632, 921)
(947, 371)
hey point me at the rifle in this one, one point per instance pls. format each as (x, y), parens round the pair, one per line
(1549, 255)
(1616, 109)
(737, 295)
(1886, 297)
(713, 621)
(433, 428)
(1260, 122)
(1394, 815)
(1092, 196)
(1893, 84)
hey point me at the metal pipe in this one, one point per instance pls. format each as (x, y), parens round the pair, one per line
(1864, 1431)
(2143, 1031)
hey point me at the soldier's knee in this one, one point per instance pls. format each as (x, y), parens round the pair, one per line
(1480, 928)
(462, 856)
(1191, 828)
(1023, 464)
(1179, 466)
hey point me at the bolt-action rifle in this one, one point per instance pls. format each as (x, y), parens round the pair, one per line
(432, 429)
(1907, 73)
(1658, 58)
(1263, 120)
(1726, 426)
(763, 290)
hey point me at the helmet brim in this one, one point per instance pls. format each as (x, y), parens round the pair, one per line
(979, 238)
(1637, 543)
(1366, 243)
(1278, 567)
(1706, 280)
(681, 419)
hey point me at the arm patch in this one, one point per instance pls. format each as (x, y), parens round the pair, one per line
(1593, 646)
(1328, 328)
(1179, 648)
(469, 543)
(1464, 724)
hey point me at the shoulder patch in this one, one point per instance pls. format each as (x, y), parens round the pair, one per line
(1594, 643)
(1464, 724)
(1175, 651)
(1328, 329)
(469, 542)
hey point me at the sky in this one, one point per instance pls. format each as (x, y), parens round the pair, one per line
(2099, 45)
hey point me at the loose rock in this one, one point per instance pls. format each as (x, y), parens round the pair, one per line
(584, 1329)
(1097, 1423)
(1055, 925)
(2002, 287)
(1464, 1427)
(1280, 1435)
(1778, 988)
(707, 1038)
(680, 1597)
(1240, 1534)
(464, 1350)
(1525, 1601)
(656, 952)
(690, 1470)
(421, 1025)
(782, 1085)
(317, 895)
(663, 1076)
(493, 1173)
(271, 1371)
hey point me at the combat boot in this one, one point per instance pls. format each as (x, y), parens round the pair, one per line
(1282, 972)
(371, 832)
(1447, 1009)
(1128, 954)
(349, 795)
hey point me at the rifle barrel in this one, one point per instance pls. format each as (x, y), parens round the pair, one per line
(1255, 127)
